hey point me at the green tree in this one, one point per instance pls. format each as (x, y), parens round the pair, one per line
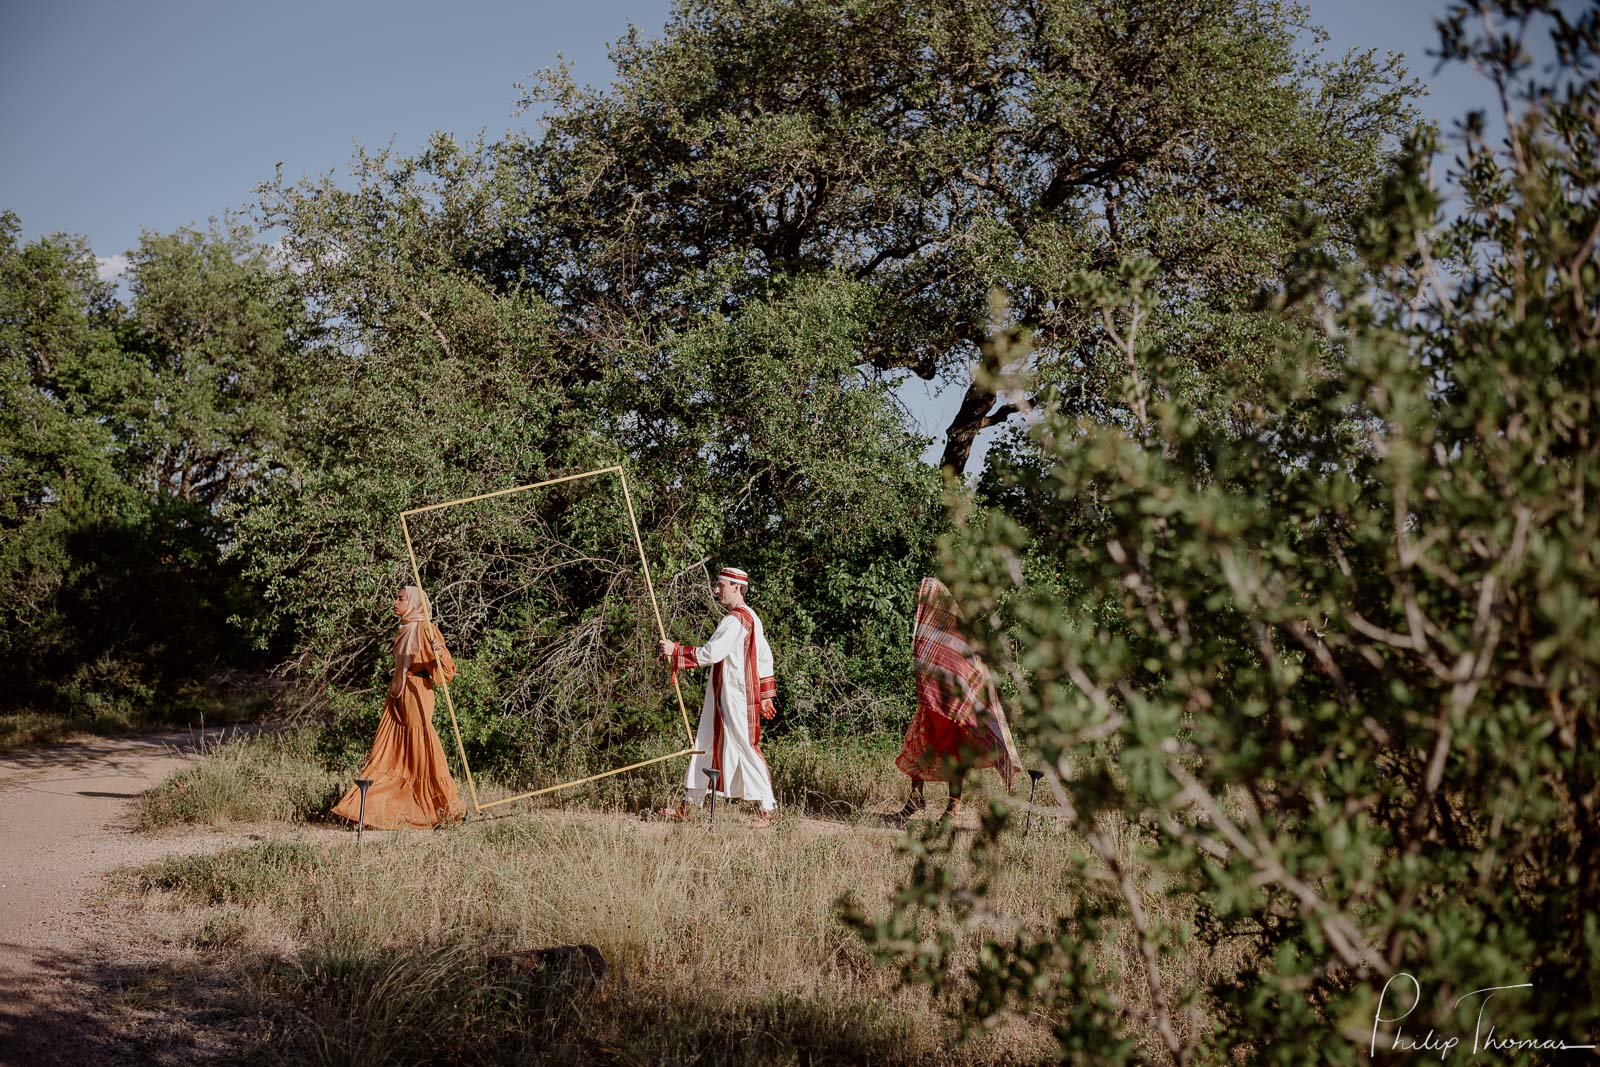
(1324, 687)
(124, 432)
(747, 436)
(932, 152)
(716, 271)
(215, 352)
(54, 311)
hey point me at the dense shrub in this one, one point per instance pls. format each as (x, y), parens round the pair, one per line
(118, 448)
(1335, 666)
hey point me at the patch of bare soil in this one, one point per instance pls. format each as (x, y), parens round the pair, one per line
(75, 975)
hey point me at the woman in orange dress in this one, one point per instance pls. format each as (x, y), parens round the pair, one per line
(411, 783)
(960, 723)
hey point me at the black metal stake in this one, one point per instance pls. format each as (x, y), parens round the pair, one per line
(361, 816)
(713, 774)
(1035, 775)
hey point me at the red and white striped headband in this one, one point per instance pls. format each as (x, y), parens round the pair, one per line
(734, 574)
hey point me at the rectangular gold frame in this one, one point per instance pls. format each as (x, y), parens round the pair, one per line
(633, 523)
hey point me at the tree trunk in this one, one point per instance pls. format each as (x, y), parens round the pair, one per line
(972, 418)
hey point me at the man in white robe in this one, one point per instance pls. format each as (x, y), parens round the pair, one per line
(739, 696)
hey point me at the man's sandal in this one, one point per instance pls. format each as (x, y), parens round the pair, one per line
(761, 820)
(681, 813)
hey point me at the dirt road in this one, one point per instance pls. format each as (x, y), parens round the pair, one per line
(66, 823)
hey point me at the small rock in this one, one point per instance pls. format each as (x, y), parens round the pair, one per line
(582, 961)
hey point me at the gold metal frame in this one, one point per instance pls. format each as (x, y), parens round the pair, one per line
(633, 522)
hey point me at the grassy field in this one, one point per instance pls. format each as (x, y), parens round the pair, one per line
(269, 778)
(723, 942)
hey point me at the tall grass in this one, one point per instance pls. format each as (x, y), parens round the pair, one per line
(282, 778)
(845, 780)
(723, 942)
(267, 778)
(27, 728)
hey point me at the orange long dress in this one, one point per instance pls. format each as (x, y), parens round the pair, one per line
(411, 783)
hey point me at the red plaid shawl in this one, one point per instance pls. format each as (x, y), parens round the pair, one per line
(959, 718)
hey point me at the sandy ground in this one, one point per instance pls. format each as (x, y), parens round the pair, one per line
(67, 823)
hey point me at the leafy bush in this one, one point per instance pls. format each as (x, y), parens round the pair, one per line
(1333, 664)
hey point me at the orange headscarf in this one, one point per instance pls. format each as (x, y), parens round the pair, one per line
(412, 637)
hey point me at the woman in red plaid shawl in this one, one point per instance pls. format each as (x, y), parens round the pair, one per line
(960, 723)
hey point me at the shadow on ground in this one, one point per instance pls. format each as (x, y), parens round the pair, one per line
(87, 1006)
(216, 1009)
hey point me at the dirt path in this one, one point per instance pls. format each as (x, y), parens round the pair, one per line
(67, 822)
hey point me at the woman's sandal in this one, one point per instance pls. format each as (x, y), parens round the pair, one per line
(914, 805)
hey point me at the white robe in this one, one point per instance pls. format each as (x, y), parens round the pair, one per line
(744, 771)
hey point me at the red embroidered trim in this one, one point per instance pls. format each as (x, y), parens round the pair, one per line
(716, 726)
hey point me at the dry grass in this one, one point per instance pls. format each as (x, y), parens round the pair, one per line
(268, 778)
(26, 729)
(724, 942)
(227, 697)
(278, 779)
(845, 781)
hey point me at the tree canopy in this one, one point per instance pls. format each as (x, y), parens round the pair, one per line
(717, 270)
(935, 152)
(125, 430)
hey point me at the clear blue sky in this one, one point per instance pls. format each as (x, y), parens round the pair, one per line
(119, 116)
